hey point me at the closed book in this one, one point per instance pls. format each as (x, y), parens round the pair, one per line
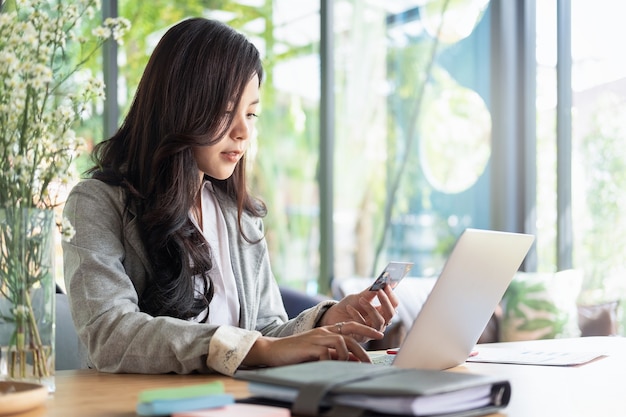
(355, 388)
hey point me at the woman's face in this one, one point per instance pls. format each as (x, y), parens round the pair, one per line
(219, 161)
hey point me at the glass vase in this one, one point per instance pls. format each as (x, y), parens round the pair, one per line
(27, 296)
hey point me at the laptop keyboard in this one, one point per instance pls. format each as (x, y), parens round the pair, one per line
(382, 359)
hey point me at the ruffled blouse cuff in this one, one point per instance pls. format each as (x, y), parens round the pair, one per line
(228, 348)
(311, 317)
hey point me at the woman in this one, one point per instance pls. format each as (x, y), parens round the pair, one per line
(168, 270)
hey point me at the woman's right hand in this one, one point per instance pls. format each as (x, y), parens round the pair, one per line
(336, 342)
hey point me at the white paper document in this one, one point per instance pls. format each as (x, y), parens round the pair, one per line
(532, 357)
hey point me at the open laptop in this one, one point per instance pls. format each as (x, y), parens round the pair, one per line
(463, 299)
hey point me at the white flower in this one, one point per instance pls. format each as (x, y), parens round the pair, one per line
(44, 92)
(65, 113)
(8, 62)
(7, 19)
(117, 27)
(41, 75)
(67, 230)
(102, 32)
(112, 27)
(29, 35)
(94, 87)
(72, 12)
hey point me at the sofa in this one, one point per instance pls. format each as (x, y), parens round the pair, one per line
(535, 306)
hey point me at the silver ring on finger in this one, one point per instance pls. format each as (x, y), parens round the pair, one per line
(339, 327)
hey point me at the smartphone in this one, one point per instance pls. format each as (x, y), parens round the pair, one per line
(391, 275)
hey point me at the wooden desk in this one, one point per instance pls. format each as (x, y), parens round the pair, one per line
(594, 389)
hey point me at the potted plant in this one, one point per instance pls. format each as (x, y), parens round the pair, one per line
(43, 94)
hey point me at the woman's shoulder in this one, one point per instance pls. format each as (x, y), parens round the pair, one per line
(91, 185)
(98, 191)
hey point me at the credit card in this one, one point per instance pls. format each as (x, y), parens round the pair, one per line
(391, 275)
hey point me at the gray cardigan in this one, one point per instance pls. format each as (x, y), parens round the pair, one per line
(106, 267)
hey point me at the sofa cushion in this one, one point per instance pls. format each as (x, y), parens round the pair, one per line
(540, 306)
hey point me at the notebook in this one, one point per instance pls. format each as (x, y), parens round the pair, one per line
(465, 295)
(350, 388)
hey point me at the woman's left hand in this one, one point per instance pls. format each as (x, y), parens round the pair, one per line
(359, 308)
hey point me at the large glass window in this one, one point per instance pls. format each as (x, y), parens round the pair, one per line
(546, 48)
(413, 131)
(599, 154)
(598, 159)
(412, 124)
(413, 144)
(419, 110)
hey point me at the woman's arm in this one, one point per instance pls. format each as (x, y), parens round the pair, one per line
(105, 269)
(336, 342)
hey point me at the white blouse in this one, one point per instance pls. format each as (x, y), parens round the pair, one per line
(224, 307)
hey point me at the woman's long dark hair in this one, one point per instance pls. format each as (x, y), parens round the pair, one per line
(198, 67)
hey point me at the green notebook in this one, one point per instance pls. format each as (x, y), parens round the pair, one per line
(177, 393)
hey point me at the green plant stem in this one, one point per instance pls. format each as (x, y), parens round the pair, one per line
(40, 363)
(21, 262)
